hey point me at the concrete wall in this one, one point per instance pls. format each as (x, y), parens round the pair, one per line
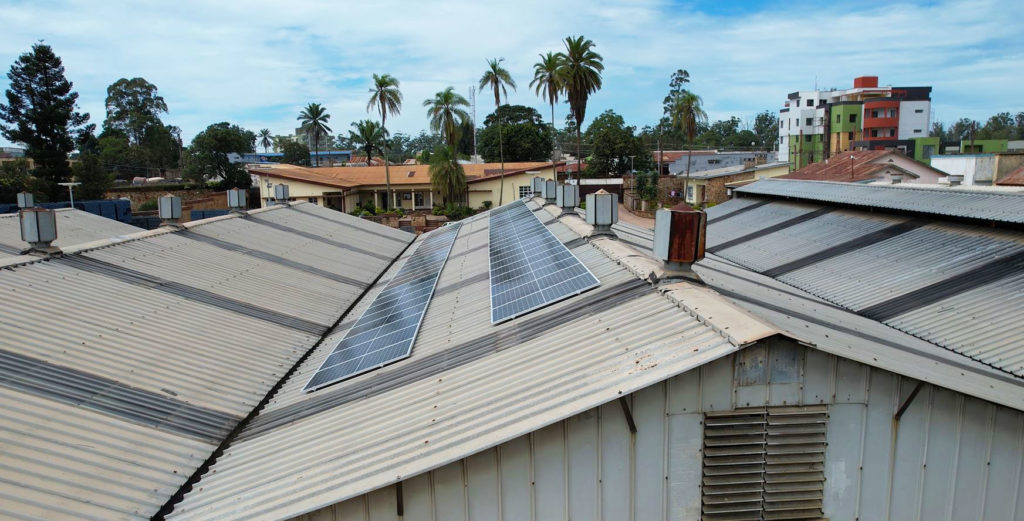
(911, 120)
(949, 457)
(977, 169)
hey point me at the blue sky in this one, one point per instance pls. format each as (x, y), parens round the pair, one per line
(257, 63)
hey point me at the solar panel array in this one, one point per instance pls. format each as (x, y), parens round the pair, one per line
(386, 330)
(529, 266)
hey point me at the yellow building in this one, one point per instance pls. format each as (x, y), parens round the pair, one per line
(344, 188)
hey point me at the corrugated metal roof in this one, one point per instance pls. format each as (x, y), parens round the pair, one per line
(968, 204)
(73, 227)
(913, 274)
(468, 385)
(126, 364)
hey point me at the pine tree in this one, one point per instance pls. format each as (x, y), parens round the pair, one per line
(40, 113)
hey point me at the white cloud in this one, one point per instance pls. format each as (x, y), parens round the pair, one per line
(257, 63)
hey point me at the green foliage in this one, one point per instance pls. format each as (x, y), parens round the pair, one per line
(452, 211)
(447, 177)
(295, 153)
(14, 178)
(266, 140)
(133, 107)
(40, 112)
(447, 112)
(676, 88)
(148, 206)
(95, 179)
(614, 142)
(368, 136)
(647, 186)
(140, 142)
(487, 205)
(526, 137)
(498, 79)
(314, 119)
(766, 128)
(207, 158)
(580, 71)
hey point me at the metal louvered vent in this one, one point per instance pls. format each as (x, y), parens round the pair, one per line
(764, 463)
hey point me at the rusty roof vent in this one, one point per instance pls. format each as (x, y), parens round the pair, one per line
(679, 236)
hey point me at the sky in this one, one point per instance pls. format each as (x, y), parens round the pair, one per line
(258, 63)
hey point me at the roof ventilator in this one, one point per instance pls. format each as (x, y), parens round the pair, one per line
(537, 185)
(169, 209)
(237, 200)
(26, 200)
(896, 178)
(281, 194)
(567, 197)
(955, 179)
(550, 187)
(39, 230)
(602, 211)
(679, 235)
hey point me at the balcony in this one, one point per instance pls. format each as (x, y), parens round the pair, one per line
(881, 122)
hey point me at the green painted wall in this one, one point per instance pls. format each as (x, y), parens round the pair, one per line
(844, 112)
(920, 152)
(988, 146)
(804, 153)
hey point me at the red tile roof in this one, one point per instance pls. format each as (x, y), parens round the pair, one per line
(1015, 178)
(847, 167)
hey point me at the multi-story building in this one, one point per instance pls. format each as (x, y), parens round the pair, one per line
(815, 125)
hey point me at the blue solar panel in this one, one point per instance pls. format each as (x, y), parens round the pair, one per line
(386, 330)
(529, 267)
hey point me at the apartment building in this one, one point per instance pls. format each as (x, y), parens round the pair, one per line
(814, 125)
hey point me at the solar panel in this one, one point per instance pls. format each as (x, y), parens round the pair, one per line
(385, 332)
(529, 266)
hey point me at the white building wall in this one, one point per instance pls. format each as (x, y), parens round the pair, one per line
(977, 169)
(949, 457)
(911, 120)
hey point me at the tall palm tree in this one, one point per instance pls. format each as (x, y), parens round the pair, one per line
(580, 71)
(314, 120)
(447, 176)
(265, 139)
(688, 115)
(547, 83)
(368, 136)
(386, 98)
(498, 80)
(447, 112)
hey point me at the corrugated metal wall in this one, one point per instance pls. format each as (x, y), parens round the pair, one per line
(955, 457)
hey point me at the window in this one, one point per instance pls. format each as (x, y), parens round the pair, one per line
(311, 200)
(809, 121)
(874, 132)
(689, 193)
(853, 118)
(810, 103)
(807, 138)
(892, 113)
(780, 123)
(714, 161)
(892, 132)
(525, 191)
(927, 151)
(766, 462)
(849, 135)
(917, 131)
(418, 199)
(918, 111)
(839, 118)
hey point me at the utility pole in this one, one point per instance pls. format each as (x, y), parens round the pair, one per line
(472, 101)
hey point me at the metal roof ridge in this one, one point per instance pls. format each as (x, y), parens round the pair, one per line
(901, 186)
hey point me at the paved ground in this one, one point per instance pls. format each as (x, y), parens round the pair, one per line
(628, 217)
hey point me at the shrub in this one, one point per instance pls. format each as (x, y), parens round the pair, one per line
(487, 205)
(148, 206)
(583, 205)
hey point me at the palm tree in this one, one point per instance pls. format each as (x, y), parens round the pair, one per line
(369, 135)
(265, 139)
(314, 120)
(447, 177)
(688, 115)
(580, 71)
(498, 79)
(447, 113)
(547, 83)
(387, 99)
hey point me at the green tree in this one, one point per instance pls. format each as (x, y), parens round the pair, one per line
(676, 87)
(40, 112)
(766, 126)
(14, 178)
(95, 179)
(613, 145)
(133, 106)
(999, 126)
(368, 136)
(294, 153)
(526, 136)
(265, 139)
(464, 148)
(498, 79)
(206, 158)
(447, 176)
(547, 82)
(447, 111)
(314, 120)
(581, 76)
(387, 99)
(961, 129)
(688, 115)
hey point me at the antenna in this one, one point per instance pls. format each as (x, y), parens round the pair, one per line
(472, 101)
